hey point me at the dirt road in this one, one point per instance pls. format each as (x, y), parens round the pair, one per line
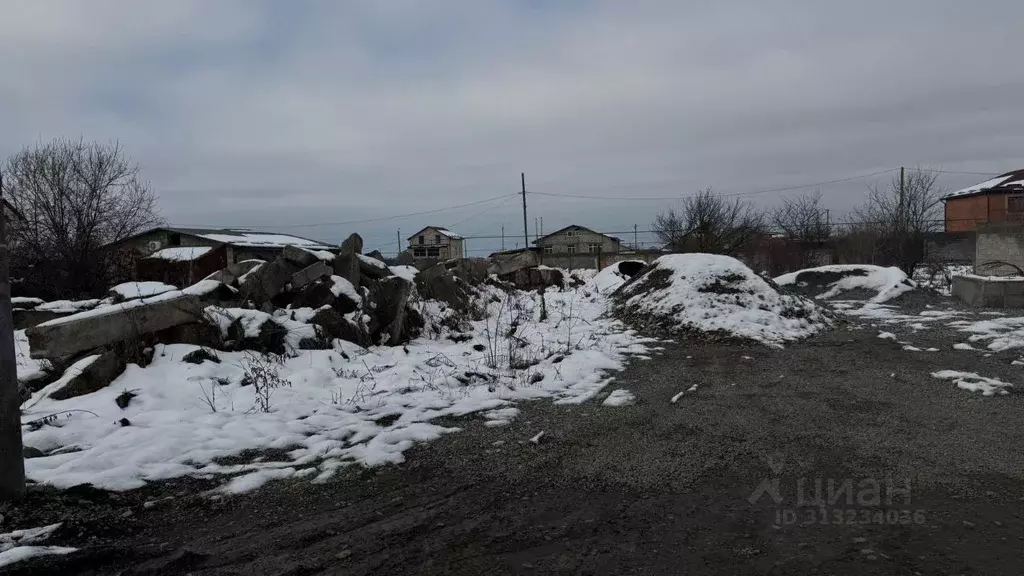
(716, 483)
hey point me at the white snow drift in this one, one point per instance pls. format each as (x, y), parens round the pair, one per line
(718, 295)
(888, 283)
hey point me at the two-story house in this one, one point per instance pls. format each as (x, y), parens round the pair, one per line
(437, 243)
(578, 240)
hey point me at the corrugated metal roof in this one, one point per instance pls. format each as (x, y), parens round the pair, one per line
(1009, 182)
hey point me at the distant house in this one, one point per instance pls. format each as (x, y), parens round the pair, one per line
(437, 243)
(185, 244)
(578, 240)
(1000, 199)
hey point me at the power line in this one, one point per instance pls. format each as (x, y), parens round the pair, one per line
(365, 220)
(749, 193)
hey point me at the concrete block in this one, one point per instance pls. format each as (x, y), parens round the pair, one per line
(506, 264)
(310, 273)
(268, 281)
(299, 256)
(71, 336)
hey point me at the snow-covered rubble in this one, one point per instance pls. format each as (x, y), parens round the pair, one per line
(715, 296)
(23, 544)
(826, 282)
(325, 408)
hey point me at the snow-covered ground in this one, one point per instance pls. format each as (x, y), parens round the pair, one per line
(132, 290)
(324, 409)
(720, 295)
(888, 283)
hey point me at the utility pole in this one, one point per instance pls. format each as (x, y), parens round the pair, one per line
(901, 196)
(536, 228)
(828, 223)
(542, 226)
(526, 230)
(502, 237)
(636, 245)
(398, 236)
(12, 462)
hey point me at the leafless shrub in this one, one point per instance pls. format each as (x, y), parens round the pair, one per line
(263, 372)
(707, 222)
(74, 197)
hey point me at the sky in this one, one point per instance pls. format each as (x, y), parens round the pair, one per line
(322, 118)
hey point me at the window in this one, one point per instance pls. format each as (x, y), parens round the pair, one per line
(549, 249)
(571, 248)
(422, 240)
(419, 252)
(1015, 204)
(573, 233)
(437, 238)
(174, 240)
(433, 252)
(593, 248)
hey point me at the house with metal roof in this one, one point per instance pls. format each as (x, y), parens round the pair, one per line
(436, 243)
(1000, 199)
(176, 244)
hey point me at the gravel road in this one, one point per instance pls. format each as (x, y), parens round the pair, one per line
(652, 488)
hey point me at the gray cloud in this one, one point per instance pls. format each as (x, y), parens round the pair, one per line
(301, 112)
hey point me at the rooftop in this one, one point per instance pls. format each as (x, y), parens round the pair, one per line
(1009, 182)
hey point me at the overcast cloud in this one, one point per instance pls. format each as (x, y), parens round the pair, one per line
(247, 112)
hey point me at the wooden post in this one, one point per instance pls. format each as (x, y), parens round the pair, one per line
(12, 463)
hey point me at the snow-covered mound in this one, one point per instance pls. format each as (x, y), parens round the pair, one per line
(852, 281)
(610, 278)
(715, 296)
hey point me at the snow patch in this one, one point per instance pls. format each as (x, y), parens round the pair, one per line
(133, 290)
(619, 398)
(974, 383)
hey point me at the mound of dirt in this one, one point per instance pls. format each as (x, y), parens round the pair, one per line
(716, 297)
(848, 281)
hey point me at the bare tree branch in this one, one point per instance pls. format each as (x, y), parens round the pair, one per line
(75, 196)
(709, 223)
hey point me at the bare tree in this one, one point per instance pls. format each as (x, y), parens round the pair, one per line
(900, 215)
(75, 197)
(709, 223)
(802, 218)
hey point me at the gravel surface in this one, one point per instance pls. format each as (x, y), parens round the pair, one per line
(655, 487)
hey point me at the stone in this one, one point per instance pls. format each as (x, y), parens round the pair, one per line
(376, 255)
(299, 256)
(347, 266)
(506, 263)
(337, 326)
(439, 283)
(96, 376)
(535, 278)
(196, 333)
(317, 271)
(262, 284)
(315, 295)
(69, 337)
(390, 296)
(30, 452)
(270, 337)
(373, 268)
(472, 270)
(230, 275)
(28, 318)
(352, 245)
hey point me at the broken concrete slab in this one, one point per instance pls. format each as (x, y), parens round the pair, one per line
(270, 337)
(352, 245)
(347, 266)
(93, 329)
(299, 256)
(230, 275)
(372, 268)
(502, 264)
(390, 296)
(96, 375)
(534, 278)
(337, 326)
(267, 281)
(317, 271)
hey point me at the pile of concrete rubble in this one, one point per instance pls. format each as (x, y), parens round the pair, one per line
(303, 299)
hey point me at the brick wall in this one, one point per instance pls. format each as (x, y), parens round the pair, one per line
(999, 242)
